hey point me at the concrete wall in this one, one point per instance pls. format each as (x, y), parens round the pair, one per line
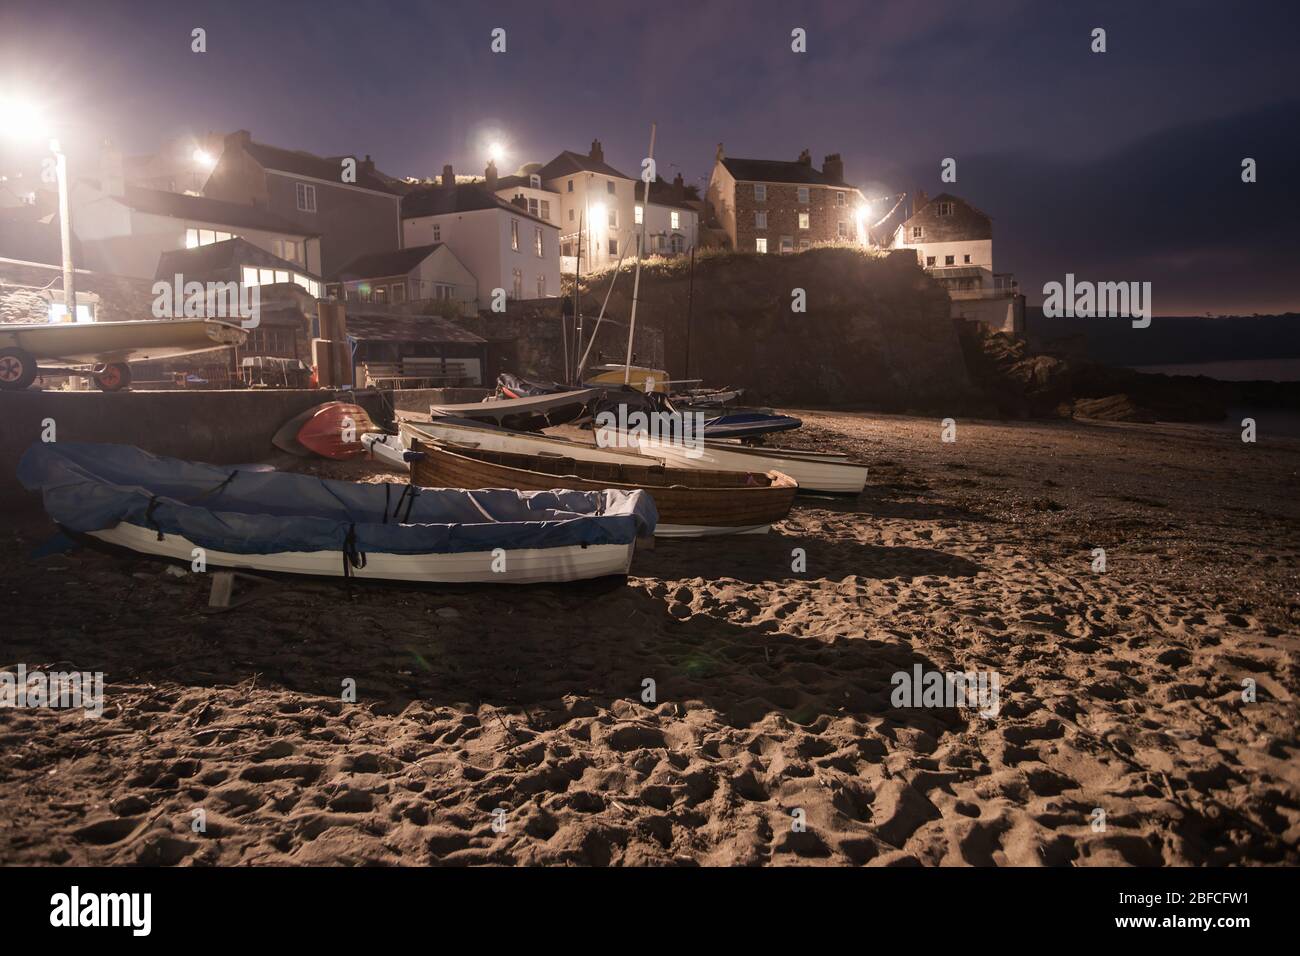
(222, 427)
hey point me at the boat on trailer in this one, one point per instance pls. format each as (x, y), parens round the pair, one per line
(815, 471)
(691, 503)
(299, 524)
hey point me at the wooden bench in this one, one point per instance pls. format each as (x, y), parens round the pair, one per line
(414, 372)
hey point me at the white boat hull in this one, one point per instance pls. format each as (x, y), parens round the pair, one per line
(814, 472)
(520, 566)
(523, 443)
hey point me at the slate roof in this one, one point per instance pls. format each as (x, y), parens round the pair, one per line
(569, 162)
(379, 326)
(377, 265)
(203, 209)
(218, 258)
(301, 163)
(463, 197)
(663, 194)
(779, 171)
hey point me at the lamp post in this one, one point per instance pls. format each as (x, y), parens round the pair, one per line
(65, 230)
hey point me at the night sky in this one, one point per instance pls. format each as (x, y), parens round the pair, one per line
(1116, 166)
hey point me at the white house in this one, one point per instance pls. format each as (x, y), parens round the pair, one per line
(597, 208)
(124, 229)
(671, 224)
(501, 243)
(525, 185)
(416, 274)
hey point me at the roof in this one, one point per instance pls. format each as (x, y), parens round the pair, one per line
(301, 163)
(780, 171)
(218, 257)
(30, 238)
(378, 326)
(463, 197)
(203, 209)
(522, 182)
(396, 262)
(570, 162)
(663, 194)
(965, 223)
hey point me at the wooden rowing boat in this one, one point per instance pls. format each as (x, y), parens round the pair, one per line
(814, 471)
(691, 503)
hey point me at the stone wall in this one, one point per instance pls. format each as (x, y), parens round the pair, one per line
(877, 331)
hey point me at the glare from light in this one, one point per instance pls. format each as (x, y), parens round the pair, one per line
(203, 158)
(598, 217)
(21, 119)
(496, 152)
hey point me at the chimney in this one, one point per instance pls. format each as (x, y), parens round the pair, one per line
(833, 167)
(521, 201)
(490, 174)
(719, 156)
(679, 188)
(597, 153)
(806, 158)
(448, 177)
(919, 201)
(367, 165)
(239, 138)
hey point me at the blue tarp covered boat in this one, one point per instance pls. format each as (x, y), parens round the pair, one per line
(276, 521)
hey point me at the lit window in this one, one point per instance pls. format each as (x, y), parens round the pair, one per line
(676, 220)
(514, 236)
(250, 276)
(266, 277)
(306, 196)
(945, 209)
(760, 194)
(535, 181)
(207, 237)
(637, 215)
(804, 221)
(803, 195)
(191, 238)
(281, 275)
(537, 234)
(760, 244)
(760, 219)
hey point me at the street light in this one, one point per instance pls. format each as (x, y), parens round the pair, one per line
(496, 152)
(22, 120)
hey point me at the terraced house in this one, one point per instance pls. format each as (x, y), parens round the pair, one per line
(766, 205)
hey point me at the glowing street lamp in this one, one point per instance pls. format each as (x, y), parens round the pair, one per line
(203, 159)
(22, 120)
(496, 152)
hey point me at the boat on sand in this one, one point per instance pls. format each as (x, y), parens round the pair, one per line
(815, 471)
(299, 524)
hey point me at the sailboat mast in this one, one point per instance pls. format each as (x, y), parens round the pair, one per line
(640, 246)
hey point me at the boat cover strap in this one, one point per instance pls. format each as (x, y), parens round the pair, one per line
(148, 516)
(352, 557)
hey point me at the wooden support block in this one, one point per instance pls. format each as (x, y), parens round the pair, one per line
(223, 585)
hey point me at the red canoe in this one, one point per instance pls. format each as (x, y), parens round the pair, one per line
(332, 430)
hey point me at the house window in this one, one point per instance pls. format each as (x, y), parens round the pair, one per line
(679, 244)
(804, 244)
(613, 219)
(535, 181)
(613, 248)
(609, 186)
(637, 215)
(399, 292)
(537, 237)
(306, 195)
(803, 195)
(532, 207)
(760, 192)
(945, 209)
(570, 190)
(379, 295)
(949, 260)
(570, 215)
(760, 219)
(760, 244)
(674, 220)
(929, 261)
(541, 286)
(966, 258)
(803, 221)
(918, 232)
(546, 210)
(204, 237)
(514, 235)
(842, 229)
(266, 277)
(437, 232)
(566, 248)
(839, 198)
(787, 244)
(286, 249)
(517, 284)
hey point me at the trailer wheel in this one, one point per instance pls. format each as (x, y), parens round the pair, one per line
(17, 369)
(115, 377)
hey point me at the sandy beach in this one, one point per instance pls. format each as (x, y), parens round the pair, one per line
(511, 725)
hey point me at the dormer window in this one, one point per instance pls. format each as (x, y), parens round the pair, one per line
(945, 209)
(535, 181)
